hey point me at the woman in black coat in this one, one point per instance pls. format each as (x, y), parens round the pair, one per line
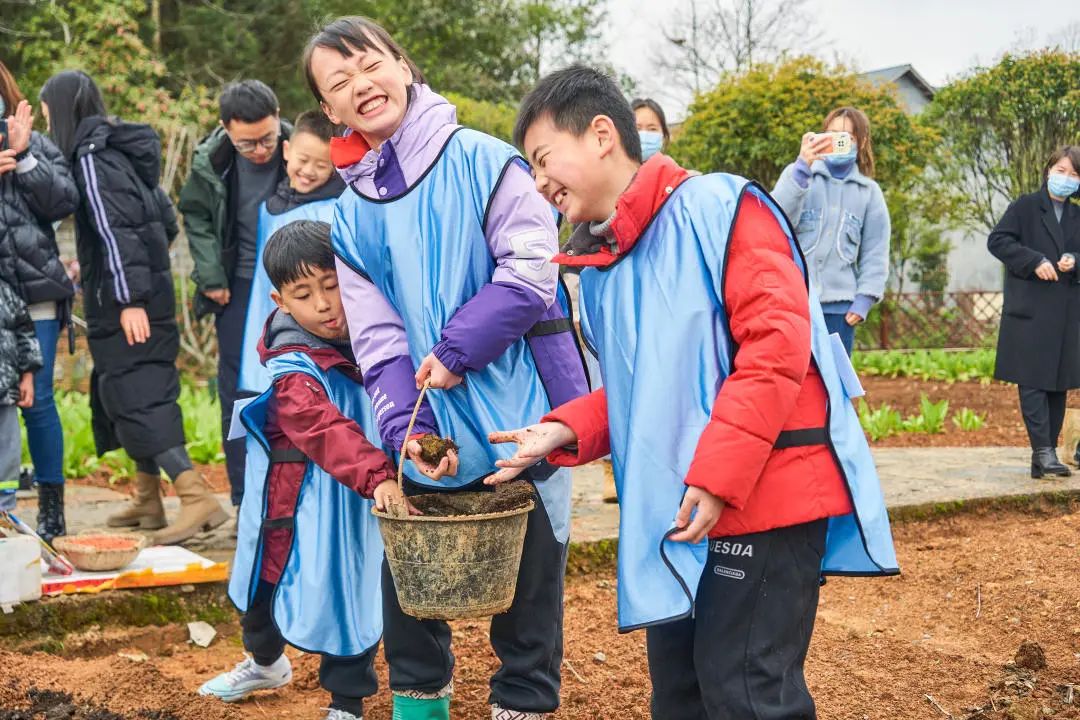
(124, 226)
(1038, 240)
(36, 190)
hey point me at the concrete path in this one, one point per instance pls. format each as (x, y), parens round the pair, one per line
(910, 476)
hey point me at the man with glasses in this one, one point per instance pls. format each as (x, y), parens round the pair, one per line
(235, 168)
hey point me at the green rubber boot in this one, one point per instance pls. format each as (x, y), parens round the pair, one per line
(407, 708)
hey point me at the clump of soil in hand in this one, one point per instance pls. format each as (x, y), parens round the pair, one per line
(434, 448)
(506, 497)
(1030, 656)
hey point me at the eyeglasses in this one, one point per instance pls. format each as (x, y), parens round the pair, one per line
(268, 141)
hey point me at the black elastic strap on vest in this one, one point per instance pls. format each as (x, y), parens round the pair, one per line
(277, 523)
(549, 327)
(801, 438)
(287, 455)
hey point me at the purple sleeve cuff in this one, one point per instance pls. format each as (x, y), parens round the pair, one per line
(861, 306)
(391, 385)
(800, 171)
(482, 329)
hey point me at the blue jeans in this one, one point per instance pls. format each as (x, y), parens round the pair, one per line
(838, 324)
(43, 432)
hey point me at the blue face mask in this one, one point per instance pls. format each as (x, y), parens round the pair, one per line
(843, 162)
(651, 143)
(1061, 185)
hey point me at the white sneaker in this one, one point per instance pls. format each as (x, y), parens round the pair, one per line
(335, 714)
(248, 677)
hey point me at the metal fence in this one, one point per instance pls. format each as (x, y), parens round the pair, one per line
(932, 320)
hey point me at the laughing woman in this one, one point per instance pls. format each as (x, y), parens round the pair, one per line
(1038, 241)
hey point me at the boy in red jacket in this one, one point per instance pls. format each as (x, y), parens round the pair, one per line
(714, 409)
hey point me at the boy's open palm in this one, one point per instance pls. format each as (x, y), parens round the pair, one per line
(534, 443)
(705, 509)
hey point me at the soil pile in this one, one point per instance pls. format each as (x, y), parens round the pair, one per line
(504, 498)
(84, 690)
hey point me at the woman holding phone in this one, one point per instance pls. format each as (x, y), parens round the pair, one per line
(1038, 239)
(840, 217)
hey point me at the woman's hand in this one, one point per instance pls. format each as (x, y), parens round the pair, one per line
(1046, 271)
(1067, 263)
(7, 161)
(814, 147)
(26, 390)
(447, 467)
(853, 319)
(440, 377)
(136, 324)
(221, 295)
(19, 127)
(534, 443)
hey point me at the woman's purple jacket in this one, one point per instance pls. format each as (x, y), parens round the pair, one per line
(522, 291)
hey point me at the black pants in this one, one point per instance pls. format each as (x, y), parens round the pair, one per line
(741, 656)
(348, 680)
(1044, 414)
(230, 336)
(528, 639)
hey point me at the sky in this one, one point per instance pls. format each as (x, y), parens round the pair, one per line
(940, 38)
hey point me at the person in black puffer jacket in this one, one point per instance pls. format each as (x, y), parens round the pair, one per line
(36, 190)
(124, 226)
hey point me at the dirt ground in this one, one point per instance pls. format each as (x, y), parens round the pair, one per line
(997, 402)
(973, 589)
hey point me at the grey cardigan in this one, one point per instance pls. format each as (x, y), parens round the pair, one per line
(843, 229)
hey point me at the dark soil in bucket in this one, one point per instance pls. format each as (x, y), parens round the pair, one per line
(504, 498)
(434, 448)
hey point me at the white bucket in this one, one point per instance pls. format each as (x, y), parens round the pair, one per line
(20, 570)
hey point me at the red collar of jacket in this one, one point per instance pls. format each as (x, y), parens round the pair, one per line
(653, 183)
(349, 150)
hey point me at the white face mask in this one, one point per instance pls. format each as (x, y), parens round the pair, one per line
(3, 107)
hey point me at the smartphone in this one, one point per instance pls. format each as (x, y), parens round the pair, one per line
(841, 143)
(3, 134)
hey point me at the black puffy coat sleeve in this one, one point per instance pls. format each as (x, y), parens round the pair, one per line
(46, 181)
(168, 214)
(1006, 243)
(114, 208)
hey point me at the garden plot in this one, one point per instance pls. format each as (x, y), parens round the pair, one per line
(945, 634)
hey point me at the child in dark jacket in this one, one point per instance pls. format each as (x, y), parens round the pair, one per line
(304, 521)
(308, 192)
(20, 358)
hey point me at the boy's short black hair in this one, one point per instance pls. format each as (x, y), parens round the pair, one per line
(572, 97)
(248, 101)
(316, 123)
(296, 250)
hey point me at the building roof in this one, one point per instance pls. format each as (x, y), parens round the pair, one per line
(895, 73)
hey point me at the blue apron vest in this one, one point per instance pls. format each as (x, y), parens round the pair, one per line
(658, 313)
(254, 378)
(329, 597)
(427, 253)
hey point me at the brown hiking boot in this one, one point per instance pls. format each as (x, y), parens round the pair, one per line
(145, 510)
(610, 494)
(199, 510)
